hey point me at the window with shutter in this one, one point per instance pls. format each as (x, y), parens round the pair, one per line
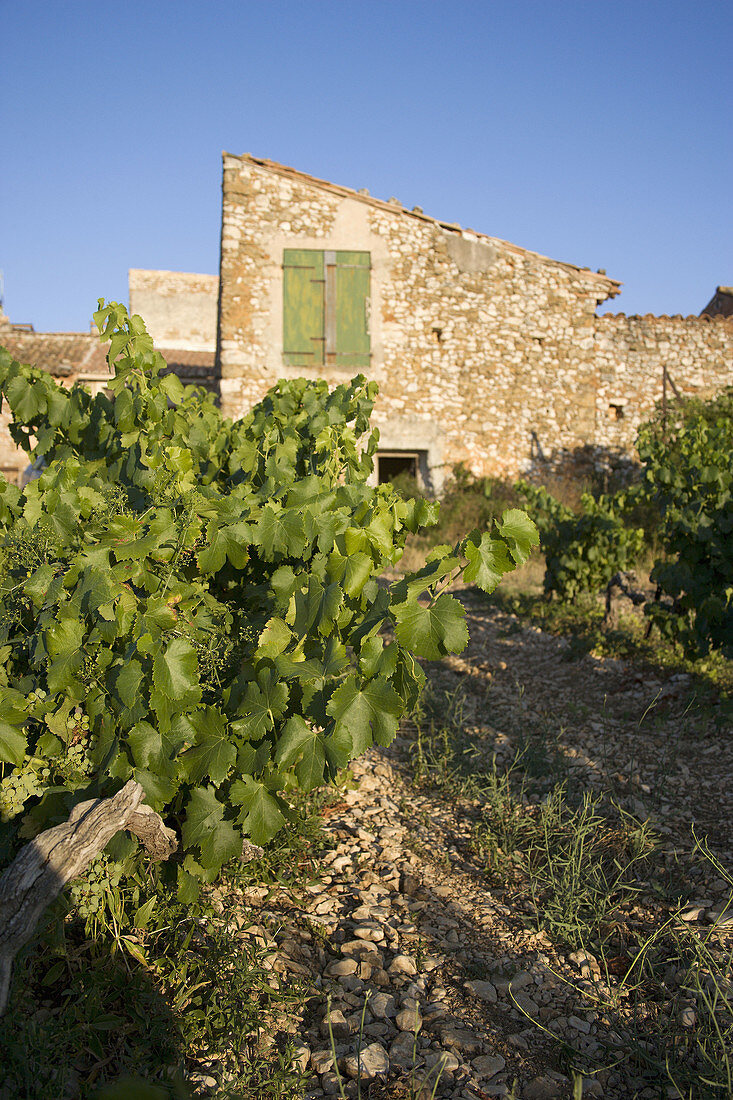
(326, 308)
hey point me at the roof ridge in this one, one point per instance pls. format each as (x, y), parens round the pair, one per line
(348, 192)
(707, 318)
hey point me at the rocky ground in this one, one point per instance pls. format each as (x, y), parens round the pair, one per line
(427, 974)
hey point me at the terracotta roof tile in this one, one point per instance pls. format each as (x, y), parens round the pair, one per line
(60, 353)
(72, 354)
(196, 368)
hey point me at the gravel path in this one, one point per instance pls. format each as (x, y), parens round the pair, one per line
(450, 977)
(653, 740)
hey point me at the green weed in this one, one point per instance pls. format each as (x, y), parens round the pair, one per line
(593, 879)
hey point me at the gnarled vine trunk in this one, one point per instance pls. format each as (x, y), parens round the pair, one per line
(47, 863)
(621, 586)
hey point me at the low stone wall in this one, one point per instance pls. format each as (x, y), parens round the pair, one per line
(630, 356)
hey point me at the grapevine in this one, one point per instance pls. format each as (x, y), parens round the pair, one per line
(584, 549)
(688, 475)
(194, 602)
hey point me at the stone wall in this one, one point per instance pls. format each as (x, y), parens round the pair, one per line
(179, 308)
(630, 356)
(485, 353)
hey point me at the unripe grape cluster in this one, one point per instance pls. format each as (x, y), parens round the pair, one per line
(89, 893)
(21, 785)
(76, 762)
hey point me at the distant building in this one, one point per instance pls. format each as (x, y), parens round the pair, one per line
(80, 357)
(721, 303)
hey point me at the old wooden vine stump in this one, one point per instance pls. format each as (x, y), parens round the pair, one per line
(44, 866)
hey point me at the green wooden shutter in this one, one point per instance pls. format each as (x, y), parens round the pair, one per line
(326, 309)
(304, 335)
(347, 333)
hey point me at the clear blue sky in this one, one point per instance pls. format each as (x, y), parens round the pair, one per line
(594, 133)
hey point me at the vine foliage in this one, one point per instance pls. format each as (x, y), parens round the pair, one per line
(688, 475)
(195, 603)
(584, 549)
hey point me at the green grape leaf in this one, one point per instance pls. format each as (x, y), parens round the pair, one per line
(175, 672)
(212, 557)
(164, 708)
(274, 638)
(432, 631)
(263, 702)
(159, 789)
(173, 388)
(205, 827)
(145, 743)
(350, 572)
(38, 583)
(369, 711)
(95, 588)
(280, 531)
(303, 746)
(64, 638)
(488, 561)
(519, 532)
(339, 747)
(62, 673)
(252, 759)
(188, 887)
(125, 679)
(261, 816)
(213, 755)
(13, 743)
(25, 398)
(376, 659)
(284, 583)
(239, 539)
(316, 607)
(221, 845)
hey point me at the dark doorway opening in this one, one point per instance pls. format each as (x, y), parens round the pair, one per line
(391, 465)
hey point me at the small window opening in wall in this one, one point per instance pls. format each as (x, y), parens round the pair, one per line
(438, 334)
(616, 410)
(393, 464)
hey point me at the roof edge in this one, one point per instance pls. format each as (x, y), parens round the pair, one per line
(165, 271)
(612, 286)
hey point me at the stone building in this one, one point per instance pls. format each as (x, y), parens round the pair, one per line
(485, 353)
(179, 308)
